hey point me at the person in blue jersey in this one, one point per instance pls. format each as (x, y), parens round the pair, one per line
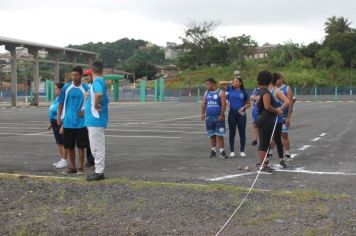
(52, 115)
(267, 114)
(213, 112)
(280, 101)
(254, 99)
(71, 115)
(96, 119)
(88, 74)
(287, 114)
(239, 101)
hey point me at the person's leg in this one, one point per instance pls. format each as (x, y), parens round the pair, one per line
(220, 142)
(265, 133)
(97, 142)
(213, 142)
(69, 145)
(71, 153)
(241, 125)
(285, 141)
(81, 158)
(89, 155)
(254, 134)
(232, 120)
(278, 140)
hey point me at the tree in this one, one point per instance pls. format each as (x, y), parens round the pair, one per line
(329, 58)
(285, 54)
(143, 62)
(239, 47)
(337, 25)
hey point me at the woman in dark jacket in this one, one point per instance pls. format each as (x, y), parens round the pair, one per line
(266, 119)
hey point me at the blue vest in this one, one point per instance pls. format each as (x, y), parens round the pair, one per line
(284, 90)
(277, 103)
(213, 103)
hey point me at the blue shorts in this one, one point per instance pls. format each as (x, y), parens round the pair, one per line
(254, 115)
(215, 127)
(285, 129)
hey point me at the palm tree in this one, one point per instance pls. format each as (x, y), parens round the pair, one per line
(337, 25)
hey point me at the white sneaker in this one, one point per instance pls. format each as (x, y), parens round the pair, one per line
(242, 154)
(232, 154)
(62, 164)
(56, 163)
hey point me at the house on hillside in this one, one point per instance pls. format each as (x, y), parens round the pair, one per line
(172, 51)
(262, 52)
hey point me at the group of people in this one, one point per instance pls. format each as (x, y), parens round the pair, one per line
(78, 117)
(272, 106)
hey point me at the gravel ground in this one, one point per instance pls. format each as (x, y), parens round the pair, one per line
(63, 206)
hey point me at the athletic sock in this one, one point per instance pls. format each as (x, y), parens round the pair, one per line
(213, 149)
(287, 152)
(221, 150)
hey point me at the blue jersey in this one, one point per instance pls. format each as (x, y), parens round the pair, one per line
(73, 100)
(276, 103)
(93, 117)
(236, 97)
(284, 90)
(213, 103)
(255, 92)
(52, 110)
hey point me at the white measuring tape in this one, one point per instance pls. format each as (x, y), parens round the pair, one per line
(253, 184)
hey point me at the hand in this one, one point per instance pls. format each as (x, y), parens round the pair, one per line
(242, 111)
(59, 121)
(98, 107)
(287, 122)
(49, 127)
(202, 116)
(61, 131)
(81, 114)
(221, 118)
(279, 111)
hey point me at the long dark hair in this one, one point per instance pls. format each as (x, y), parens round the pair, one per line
(242, 87)
(60, 85)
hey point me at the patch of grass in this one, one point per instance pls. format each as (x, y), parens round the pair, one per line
(317, 231)
(138, 203)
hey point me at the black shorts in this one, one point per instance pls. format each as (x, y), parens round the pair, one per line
(265, 134)
(76, 137)
(59, 137)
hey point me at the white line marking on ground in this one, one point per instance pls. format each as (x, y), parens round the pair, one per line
(322, 134)
(30, 134)
(316, 139)
(316, 172)
(231, 176)
(137, 136)
(294, 155)
(158, 131)
(304, 147)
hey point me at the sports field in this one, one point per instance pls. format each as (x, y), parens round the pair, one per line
(161, 180)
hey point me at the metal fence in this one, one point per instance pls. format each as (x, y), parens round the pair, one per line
(193, 94)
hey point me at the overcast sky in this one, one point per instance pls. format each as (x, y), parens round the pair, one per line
(80, 21)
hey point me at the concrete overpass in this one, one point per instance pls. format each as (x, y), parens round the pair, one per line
(33, 48)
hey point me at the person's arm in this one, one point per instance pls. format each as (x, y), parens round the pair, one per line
(61, 99)
(268, 106)
(203, 107)
(98, 98)
(223, 106)
(290, 109)
(49, 126)
(59, 114)
(282, 97)
(224, 84)
(247, 101)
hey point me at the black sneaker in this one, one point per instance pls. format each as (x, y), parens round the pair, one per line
(254, 143)
(95, 177)
(288, 157)
(283, 164)
(266, 163)
(223, 155)
(269, 155)
(266, 170)
(212, 154)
